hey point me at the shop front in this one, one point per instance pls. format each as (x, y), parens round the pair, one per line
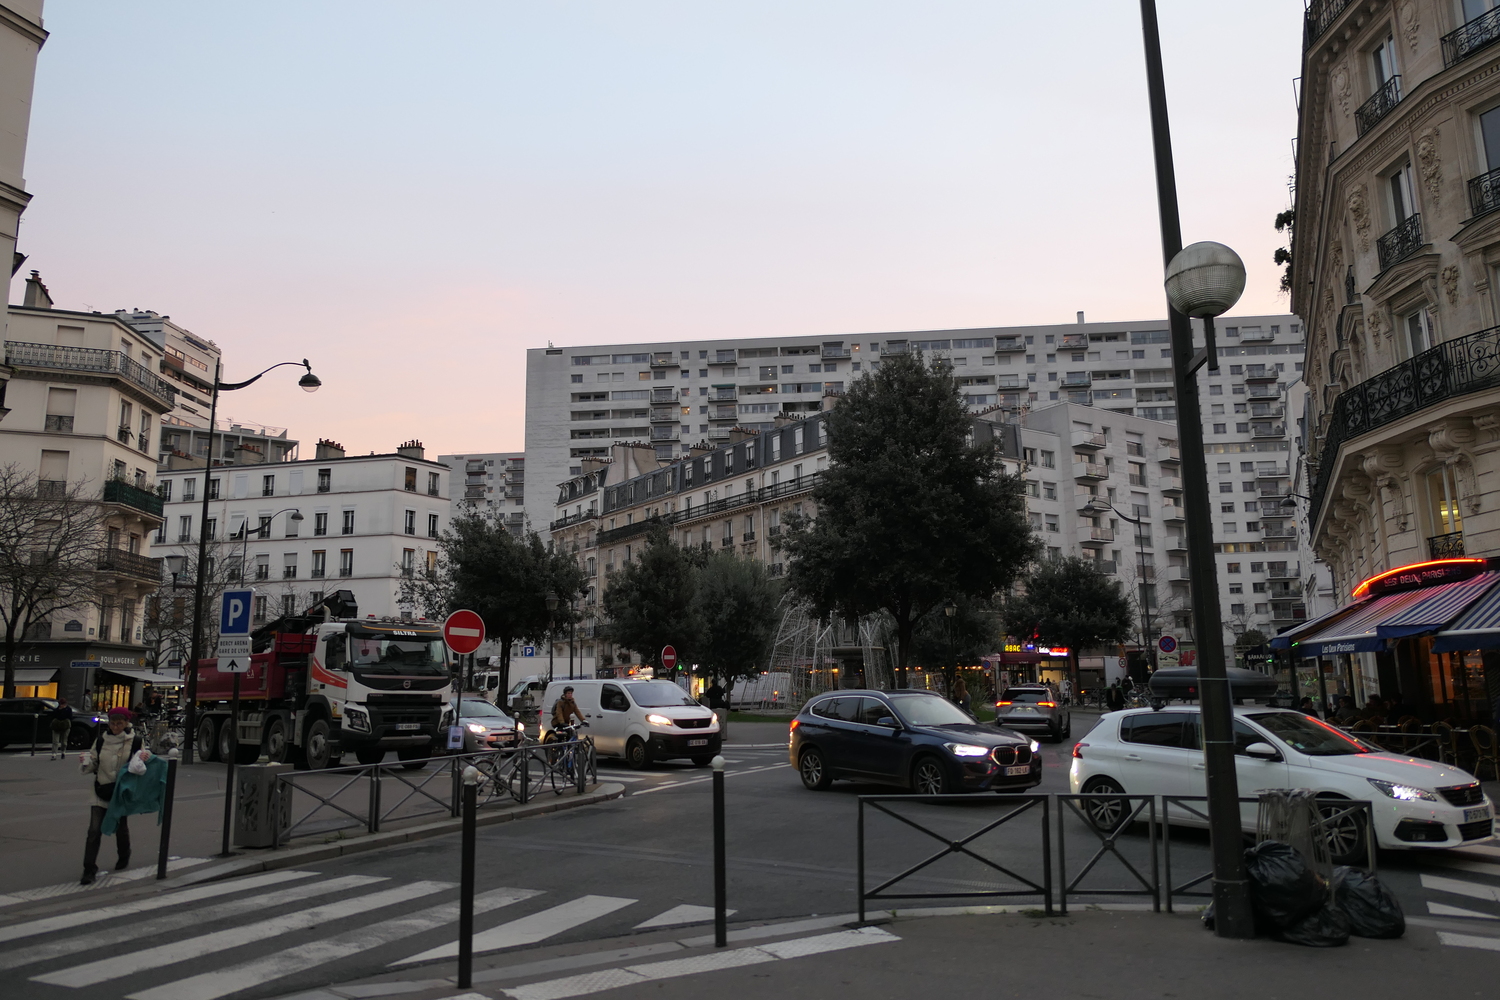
(45, 670)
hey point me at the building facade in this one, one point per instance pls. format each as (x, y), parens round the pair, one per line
(21, 38)
(492, 482)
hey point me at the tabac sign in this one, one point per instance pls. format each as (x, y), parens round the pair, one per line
(1422, 574)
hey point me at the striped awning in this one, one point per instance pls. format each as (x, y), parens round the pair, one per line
(1355, 633)
(1295, 633)
(1439, 608)
(1477, 628)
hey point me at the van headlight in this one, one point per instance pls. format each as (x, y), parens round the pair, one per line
(356, 719)
(966, 750)
(659, 720)
(1406, 793)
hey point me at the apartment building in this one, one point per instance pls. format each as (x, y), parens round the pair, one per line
(367, 522)
(492, 482)
(21, 38)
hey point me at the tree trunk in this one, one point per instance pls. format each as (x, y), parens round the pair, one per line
(10, 660)
(504, 667)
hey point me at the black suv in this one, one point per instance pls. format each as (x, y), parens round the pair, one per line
(914, 738)
(25, 719)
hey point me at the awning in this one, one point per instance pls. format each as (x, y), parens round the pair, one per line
(1440, 606)
(1478, 628)
(146, 676)
(1356, 633)
(1295, 633)
(35, 676)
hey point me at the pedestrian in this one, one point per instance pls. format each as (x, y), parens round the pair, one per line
(718, 703)
(62, 723)
(110, 753)
(88, 699)
(1114, 698)
(961, 694)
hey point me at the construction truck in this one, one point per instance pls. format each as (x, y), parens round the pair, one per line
(327, 682)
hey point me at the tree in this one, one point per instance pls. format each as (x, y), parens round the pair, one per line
(1283, 255)
(912, 510)
(650, 601)
(944, 642)
(1069, 602)
(169, 611)
(735, 604)
(50, 541)
(1250, 638)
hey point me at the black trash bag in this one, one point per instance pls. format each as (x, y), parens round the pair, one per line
(1372, 909)
(1327, 927)
(1283, 887)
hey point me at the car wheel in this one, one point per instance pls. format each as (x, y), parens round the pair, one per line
(1068, 727)
(1104, 815)
(79, 738)
(318, 746)
(207, 741)
(275, 741)
(813, 769)
(369, 755)
(637, 754)
(929, 777)
(1346, 835)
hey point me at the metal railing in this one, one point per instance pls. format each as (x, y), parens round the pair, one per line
(1473, 36)
(121, 492)
(1380, 104)
(89, 359)
(121, 561)
(1109, 846)
(1401, 242)
(1319, 16)
(1446, 546)
(1484, 193)
(368, 796)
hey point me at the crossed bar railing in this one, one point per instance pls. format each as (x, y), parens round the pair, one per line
(369, 796)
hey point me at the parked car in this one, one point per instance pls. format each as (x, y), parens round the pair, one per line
(25, 719)
(640, 721)
(485, 726)
(1032, 708)
(1416, 804)
(918, 739)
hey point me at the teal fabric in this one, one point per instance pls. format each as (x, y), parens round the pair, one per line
(137, 793)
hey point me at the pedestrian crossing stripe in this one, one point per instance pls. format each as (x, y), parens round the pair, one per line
(1469, 941)
(529, 930)
(1444, 910)
(1460, 888)
(684, 914)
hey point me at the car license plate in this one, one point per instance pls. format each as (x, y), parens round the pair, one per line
(697, 743)
(1024, 711)
(408, 725)
(1018, 769)
(1476, 815)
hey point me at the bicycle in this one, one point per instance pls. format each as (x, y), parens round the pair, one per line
(562, 763)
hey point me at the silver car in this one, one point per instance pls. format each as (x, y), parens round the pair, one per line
(1033, 708)
(486, 727)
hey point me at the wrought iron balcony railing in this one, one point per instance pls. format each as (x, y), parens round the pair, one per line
(1469, 39)
(1454, 368)
(1401, 242)
(1380, 104)
(1446, 546)
(1319, 16)
(1484, 192)
(89, 359)
(131, 564)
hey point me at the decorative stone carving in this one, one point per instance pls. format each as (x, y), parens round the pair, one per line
(1449, 276)
(1336, 262)
(1430, 163)
(1406, 16)
(1338, 80)
(1488, 425)
(1378, 326)
(1359, 211)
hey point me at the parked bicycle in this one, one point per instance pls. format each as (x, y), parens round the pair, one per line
(562, 762)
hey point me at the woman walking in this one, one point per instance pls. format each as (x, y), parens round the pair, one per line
(62, 723)
(105, 760)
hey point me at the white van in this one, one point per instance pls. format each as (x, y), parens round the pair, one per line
(640, 721)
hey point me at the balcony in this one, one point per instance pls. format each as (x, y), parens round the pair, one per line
(724, 393)
(117, 491)
(1268, 430)
(124, 435)
(835, 351)
(1484, 192)
(774, 531)
(1006, 344)
(1145, 574)
(725, 358)
(723, 413)
(666, 360)
(1320, 14)
(1262, 391)
(726, 541)
(665, 415)
(1088, 441)
(346, 571)
(1404, 241)
(663, 395)
(1267, 411)
(1169, 455)
(1278, 531)
(1090, 470)
(1446, 546)
(130, 564)
(1074, 342)
(658, 434)
(1288, 612)
(892, 347)
(88, 359)
(1078, 379)
(1178, 574)
(749, 536)
(1287, 590)
(1272, 472)
(1099, 536)
(1172, 514)
(289, 572)
(1284, 570)
(1009, 382)
(1256, 333)
(58, 424)
(1477, 34)
(1176, 543)
(1380, 104)
(1261, 373)
(1106, 566)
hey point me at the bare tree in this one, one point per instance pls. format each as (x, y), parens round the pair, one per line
(169, 612)
(51, 535)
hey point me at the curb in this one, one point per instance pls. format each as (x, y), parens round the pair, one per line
(271, 859)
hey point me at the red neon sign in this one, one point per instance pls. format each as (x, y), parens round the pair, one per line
(1420, 573)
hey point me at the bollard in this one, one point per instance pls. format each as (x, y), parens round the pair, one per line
(234, 752)
(34, 719)
(166, 816)
(720, 932)
(466, 880)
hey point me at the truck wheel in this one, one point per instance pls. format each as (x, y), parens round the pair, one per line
(207, 741)
(414, 758)
(369, 755)
(318, 745)
(275, 741)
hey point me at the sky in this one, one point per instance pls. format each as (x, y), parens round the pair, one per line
(411, 195)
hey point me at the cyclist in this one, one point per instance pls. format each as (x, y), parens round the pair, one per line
(565, 709)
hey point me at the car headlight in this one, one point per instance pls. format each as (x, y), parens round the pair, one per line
(1406, 793)
(966, 750)
(658, 720)
(1036, 747)
(475, 727)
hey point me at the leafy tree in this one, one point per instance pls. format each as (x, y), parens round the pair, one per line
(912, 511)
(650, 601)
(944, 642)
(735, 603)
(1283, 255)
(1250, 638)
(1069, 602)
(50, 541)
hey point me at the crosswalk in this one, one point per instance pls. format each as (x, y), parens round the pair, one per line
(250, 934)
(1471, 878)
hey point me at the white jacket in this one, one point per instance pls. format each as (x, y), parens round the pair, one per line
(105, 766)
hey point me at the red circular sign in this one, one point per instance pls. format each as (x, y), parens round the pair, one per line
(463, 631)
(668, 657)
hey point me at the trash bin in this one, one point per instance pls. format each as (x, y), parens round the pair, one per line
(263, 805)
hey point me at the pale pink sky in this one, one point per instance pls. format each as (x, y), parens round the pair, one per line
(411, 196)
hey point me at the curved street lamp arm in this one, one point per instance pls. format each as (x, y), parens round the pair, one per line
(231, 386)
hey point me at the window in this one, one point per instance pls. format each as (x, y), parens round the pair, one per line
(432, 525)
(346, 562)
(1161, 729)
(1049, 491)
(1216, 390)
(409, 523)
(1233, 567)
(1049, 460)
(1226, 508)
(1443, 514)
(263, 567)
(1236, 588)
(1489, 130)
(1223, 468)
(1236, 609)
(260, 609)
(325, 480)
(267, 486)
(1419, 332)
(1051, 520)
(212, 528)
(408, 561)
(1226, 487)
(1383, 63)
(288, 604)
(289, 566)
(291, 527)
(320, 524)
(1221, 428)
(410, 480)
(213, 489)
(432, 484)
(348, 522)
(1403, 204)
(319, 563)
(185, 528)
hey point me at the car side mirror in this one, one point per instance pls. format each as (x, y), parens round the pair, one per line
(886, 720)
(1262, 751)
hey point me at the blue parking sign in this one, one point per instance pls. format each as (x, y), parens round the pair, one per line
(234, 614)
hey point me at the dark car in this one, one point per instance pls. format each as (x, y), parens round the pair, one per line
(25, 719)
(914, 738)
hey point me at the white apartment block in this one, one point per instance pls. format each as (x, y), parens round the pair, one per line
(491, 482)
(367, 521)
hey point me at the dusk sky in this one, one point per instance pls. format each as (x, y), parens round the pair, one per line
(410, 195)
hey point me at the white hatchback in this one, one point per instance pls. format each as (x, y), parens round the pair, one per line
(1416, 803)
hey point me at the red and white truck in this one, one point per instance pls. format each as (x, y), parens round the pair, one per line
(327, 682)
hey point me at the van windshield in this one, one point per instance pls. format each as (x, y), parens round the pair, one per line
(658, 694)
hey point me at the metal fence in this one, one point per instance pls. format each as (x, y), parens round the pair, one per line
(367, 797)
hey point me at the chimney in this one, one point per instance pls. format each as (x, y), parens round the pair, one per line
(1080, 317)
(329, 449)
(411, 449)
(37, 296)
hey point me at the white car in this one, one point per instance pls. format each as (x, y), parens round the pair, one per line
(1416, 803)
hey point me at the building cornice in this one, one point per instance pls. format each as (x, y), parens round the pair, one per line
(23, 25)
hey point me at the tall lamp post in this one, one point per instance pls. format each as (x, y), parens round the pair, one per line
(551, 610)
(309, 383)
(1099, 505)
(949, 609)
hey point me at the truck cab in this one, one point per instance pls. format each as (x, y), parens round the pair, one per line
(384, 684)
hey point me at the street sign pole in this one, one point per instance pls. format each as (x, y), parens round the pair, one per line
(463, 633)
(233, 658)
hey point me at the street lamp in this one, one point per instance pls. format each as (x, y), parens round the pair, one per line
(1098, 505)
(551, 610)
(309, 383)
(1203, 280)
(948, 611)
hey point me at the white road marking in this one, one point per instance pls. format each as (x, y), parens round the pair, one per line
(1469, 941)
(530, 930)
(684, 914)
(105, 880)
(46, 925)
(699, 781)
(183, 949)
(608, 979)
(1444, 910)
(288, 962)
(129, 931)
(1453, 885)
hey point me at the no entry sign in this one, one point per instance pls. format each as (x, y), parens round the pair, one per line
(668, 657)
(463, 631)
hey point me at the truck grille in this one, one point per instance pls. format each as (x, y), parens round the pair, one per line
(1463, 795)
(404, 683)
(1006, 756)
(1476, 830)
